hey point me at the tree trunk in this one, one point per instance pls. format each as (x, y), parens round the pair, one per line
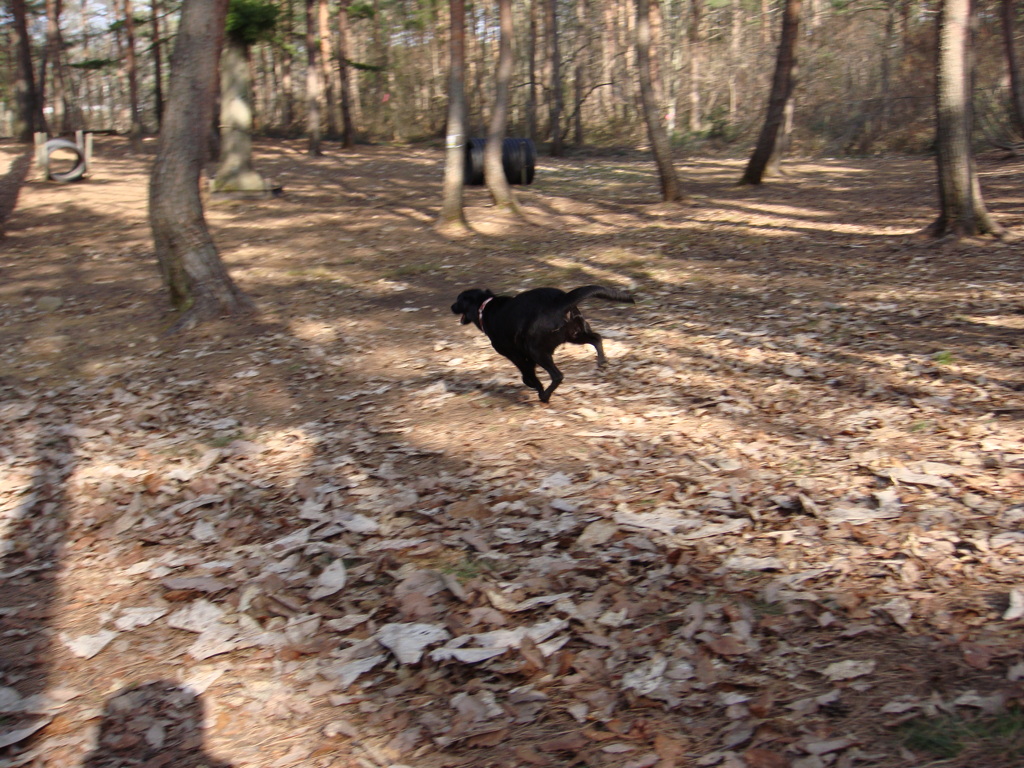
(1013, 65)
(198, 284)
(660, 146)
(158, 79)
(314, 87)
(28, 117)
(327, 68)
(494, 170)
(962, 211)
(234, 169)
(135, 132)
(55, 57)
(782, 91)
(696, 59)
(555, 103)
(348, 138)
(453, 217)
(531, 91)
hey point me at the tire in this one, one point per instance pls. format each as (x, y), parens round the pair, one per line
(76, 172)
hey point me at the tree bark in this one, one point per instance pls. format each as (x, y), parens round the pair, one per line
(962, 211)
(158, 79)
(660, 146)
(453, 217)
(348, 139)
(1013, 66)
(327, 67)
(314, 87)
(234, 169)
(781, 93)
(28, 117)
(494, 169)
(198, 284)
(555, 103)
(131, 65)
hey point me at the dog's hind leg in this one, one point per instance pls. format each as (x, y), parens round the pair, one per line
(529, 371)
(587, 335)
(556, 377)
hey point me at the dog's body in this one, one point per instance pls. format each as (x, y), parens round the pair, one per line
(529, 327)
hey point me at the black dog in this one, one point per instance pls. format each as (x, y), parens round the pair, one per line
(529, 327)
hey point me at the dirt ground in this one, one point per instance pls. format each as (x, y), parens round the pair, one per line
(783, 528)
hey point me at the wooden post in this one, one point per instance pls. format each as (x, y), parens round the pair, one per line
(42, 161)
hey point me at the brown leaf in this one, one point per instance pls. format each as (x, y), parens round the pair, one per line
(669, 750)
(569, 742)
(764, 758)
(978, 656)
(528, 754)
(490, 739)
(727, 645)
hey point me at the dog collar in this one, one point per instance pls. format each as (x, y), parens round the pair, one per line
(480, 312)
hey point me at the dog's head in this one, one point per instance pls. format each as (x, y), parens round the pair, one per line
(468, 304)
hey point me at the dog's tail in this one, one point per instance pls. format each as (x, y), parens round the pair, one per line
(575, 296)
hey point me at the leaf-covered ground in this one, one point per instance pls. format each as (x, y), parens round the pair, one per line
(784, 528)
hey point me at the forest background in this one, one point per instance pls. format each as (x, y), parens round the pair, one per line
(864, 85)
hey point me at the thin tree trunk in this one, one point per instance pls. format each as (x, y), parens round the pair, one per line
(158, 78)
(453, 217)
(131, 65)
(198, 284)
(1013, 65)
(327, 68)
(660, 146)
(234, 169)
(314, 88)
(55, 56)
(962, 211)
(696, 61)
(555, 103)
(531, 92)
(782, 91)
(494, 170)
(348, 139)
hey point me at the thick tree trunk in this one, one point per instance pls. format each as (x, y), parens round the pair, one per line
(781, 93)
(555, 103)
(660, 146)
(453, 217)
(1013, 65)
(962, 211)
(198, 284)
(531, 90)
(494, 170)
(234, 169)
(28, 116)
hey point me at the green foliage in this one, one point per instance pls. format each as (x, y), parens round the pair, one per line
(95, 65)
(360, 9)
(943, 358)
(947, 737)
(250, 21)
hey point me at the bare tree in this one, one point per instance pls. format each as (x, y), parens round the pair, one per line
(453, 217)
(779, 98)
(494, 170)
(555, 101)
(314, 85)
(962, 211)
(28, 117)
(157, 49)
(1013, 65)
(348, 140)
(198, 284)
(660, 146)
(132, 69)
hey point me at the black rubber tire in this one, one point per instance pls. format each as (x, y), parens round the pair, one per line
(518, 158)
(77, 172)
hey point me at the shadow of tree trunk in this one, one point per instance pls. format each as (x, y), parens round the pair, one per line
(10, 186)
